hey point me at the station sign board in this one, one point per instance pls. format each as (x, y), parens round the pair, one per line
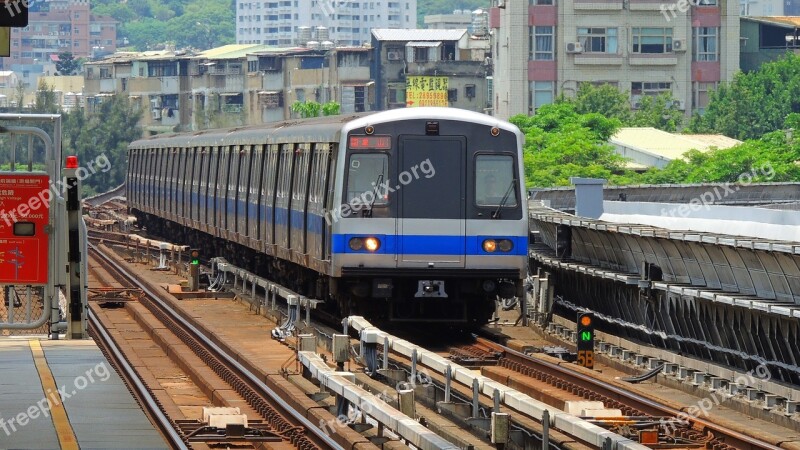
(24, 216)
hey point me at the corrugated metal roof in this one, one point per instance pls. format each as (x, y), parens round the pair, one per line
(780, 21)
(668, 145)
(413, 34)
(232, 51)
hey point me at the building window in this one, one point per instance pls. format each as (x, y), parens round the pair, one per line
(540, 43)
(640, 88)
(652, 40)
(540, 93)
(598, 40)
(700, 94)
(541, 2)
(705, 46)
(397, 94)
(707, 3)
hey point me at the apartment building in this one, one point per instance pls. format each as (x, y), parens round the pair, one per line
(643, 47)
(347, 23)
(58, 26)
(429, 68)
(232, 85)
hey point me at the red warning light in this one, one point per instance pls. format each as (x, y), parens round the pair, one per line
(72, 162)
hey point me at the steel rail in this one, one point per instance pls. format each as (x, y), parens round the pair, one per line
(641, 401)
(136, 384)
(229, 361)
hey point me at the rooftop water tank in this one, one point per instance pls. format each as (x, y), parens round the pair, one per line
(303, 35)
(323, 34)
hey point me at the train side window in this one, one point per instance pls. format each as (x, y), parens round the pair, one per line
(493, 179)
(365, 175)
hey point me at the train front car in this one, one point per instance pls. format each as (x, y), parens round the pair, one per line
(430, 223)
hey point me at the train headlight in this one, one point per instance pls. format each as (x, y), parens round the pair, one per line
(356, 244)
(489, 245)
(372, 244)
(505, 245)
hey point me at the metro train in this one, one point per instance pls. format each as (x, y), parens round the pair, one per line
(413, 214)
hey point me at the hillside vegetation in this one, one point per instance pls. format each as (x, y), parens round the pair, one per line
(151, 24)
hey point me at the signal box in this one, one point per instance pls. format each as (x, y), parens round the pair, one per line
(24, 219)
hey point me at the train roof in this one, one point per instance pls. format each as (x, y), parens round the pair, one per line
(319, 129)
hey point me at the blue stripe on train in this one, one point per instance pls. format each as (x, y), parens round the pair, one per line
(432, 245)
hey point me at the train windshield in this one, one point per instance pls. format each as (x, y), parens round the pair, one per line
(494, 180)
(366, 173)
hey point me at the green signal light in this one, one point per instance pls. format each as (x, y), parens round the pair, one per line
(195, 261)
(586, 335)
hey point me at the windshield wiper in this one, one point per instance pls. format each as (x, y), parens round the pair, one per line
(496, 213)
(367, 212)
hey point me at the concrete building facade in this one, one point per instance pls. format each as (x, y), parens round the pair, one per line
(345, 23)
(58, 26)
(643, 47)
(766, 39)
(406, 64)
(229, 86)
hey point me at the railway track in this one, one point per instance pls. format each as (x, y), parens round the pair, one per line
(698, 431)
(701, 433)
(281, 418)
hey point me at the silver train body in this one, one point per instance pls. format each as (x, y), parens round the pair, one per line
(414, 214)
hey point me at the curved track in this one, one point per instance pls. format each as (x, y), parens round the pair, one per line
(285, 420)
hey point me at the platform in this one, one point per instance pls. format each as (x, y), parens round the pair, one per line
(97, 411)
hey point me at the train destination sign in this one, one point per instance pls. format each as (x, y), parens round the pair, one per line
(24, 215)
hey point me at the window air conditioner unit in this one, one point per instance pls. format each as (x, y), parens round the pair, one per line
(574, 47)
(637, 105)
(156, 114)
(678, 45)
(155, 102)
(394, 56)
(679, 104)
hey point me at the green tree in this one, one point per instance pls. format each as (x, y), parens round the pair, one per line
(561, 143)
(103, 135)
(606, 100)
(19, 95)
(330, 109)
(67, 64)
(46, 101)
(198, 23)
(658, 112)
(753, 103)
(306, 109)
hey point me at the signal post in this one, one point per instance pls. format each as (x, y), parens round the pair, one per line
(585, 344)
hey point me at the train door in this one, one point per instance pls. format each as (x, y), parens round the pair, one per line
(298, 199)
(282, 216)
(254, 190)
(431, 190)
(271, 166)
(223, 170)
(243, 213)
